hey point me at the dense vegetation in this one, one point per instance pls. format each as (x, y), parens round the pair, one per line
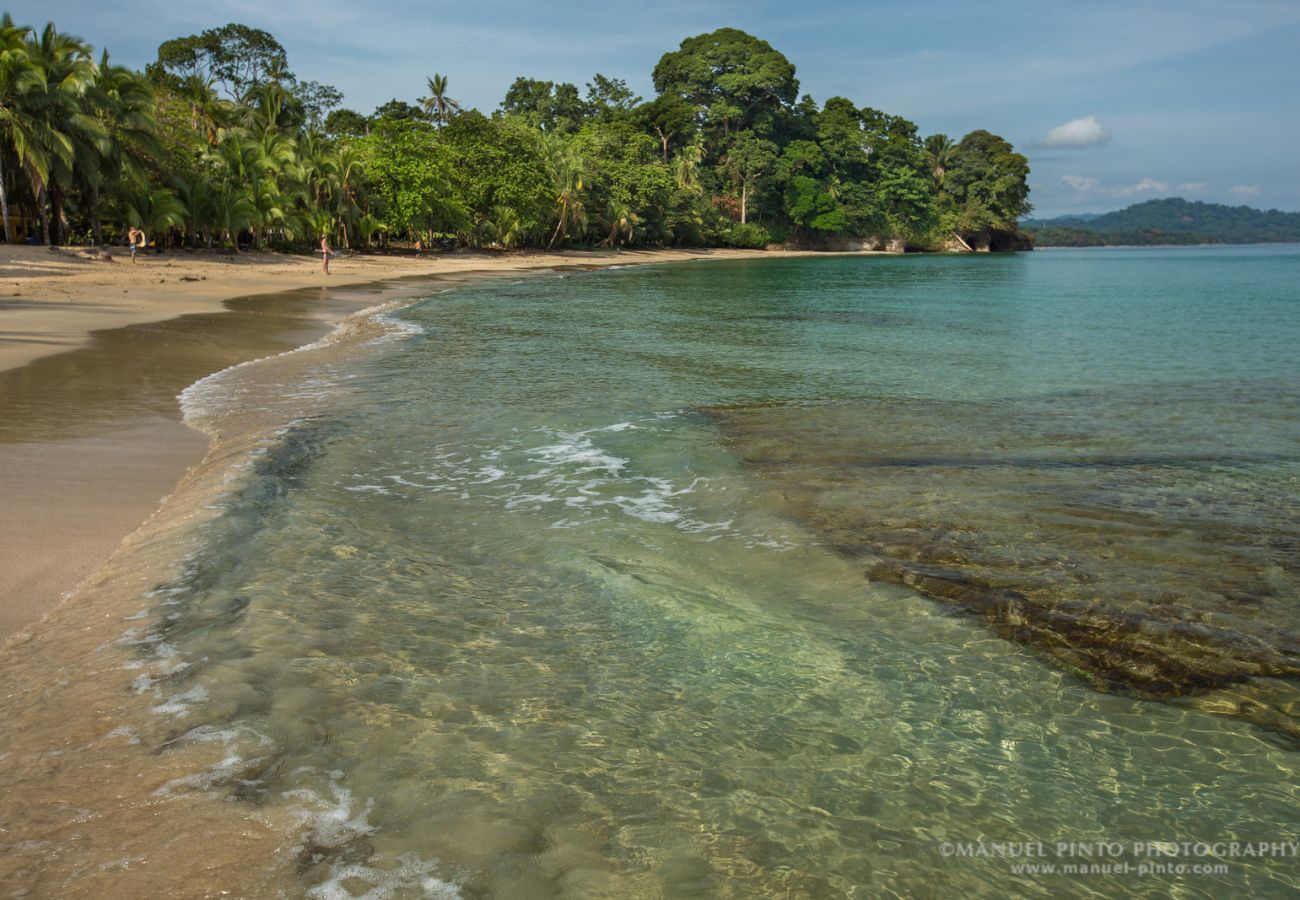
(1171, 221)
(217, 143)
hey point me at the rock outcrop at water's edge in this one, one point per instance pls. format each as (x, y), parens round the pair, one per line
(1139, 574)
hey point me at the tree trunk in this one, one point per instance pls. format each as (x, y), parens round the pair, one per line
(56, 213)
(663, 139)
(744, 202)
(962, 241)
(44, 213)
(4, 202)
(558, 226)
(96, 226)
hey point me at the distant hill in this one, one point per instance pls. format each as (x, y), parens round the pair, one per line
(1171, 221)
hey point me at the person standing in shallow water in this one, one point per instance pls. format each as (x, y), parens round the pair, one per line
(326, 252)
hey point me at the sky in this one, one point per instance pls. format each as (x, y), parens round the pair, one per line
(1113, 102)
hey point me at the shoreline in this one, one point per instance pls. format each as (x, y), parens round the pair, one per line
(54, 299)
(84, 466)
(104, 783)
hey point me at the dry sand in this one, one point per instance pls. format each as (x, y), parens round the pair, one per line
(91, 436)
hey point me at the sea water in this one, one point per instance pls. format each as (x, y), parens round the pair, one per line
(783, 577)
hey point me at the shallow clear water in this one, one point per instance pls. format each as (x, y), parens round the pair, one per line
(568, 597)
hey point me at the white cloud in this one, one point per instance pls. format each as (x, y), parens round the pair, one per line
(1085, 132)
(1192, 187)
(1145, 186)
(1080, 182)
(1244, 190)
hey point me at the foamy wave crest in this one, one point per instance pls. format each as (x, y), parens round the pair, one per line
(332, 823)
(218, 393)
(243, 752)
(398, 328)
(404, 878)
(581, 475)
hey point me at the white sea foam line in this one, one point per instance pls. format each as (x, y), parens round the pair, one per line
(339, 819)
(200, 396)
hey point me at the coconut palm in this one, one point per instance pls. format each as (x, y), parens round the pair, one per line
(123, 104)
(505, 228)
(195, 194)
(209, 114)
(939, 150)
(155, 211)
(57, 130)
(438, 105)
(620, 219)
(686, 167)
(231, 213)
(19, 76)
(567, 171)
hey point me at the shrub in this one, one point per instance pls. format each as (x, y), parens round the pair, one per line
(747, 237)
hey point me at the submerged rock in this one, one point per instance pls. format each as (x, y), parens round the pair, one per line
(1162, 569)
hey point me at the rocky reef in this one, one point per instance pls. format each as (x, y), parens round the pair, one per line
(1165, 570)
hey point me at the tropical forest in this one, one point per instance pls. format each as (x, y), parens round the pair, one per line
(216, 144)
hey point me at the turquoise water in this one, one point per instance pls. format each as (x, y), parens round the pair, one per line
(568, 596)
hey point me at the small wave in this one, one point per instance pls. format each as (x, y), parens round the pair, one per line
(408, 875)
(330, 823)
(213, 393)
(179, 704)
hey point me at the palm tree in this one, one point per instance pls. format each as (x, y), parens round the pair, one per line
(231, 212)
(59, 126)
(939, 151)
(155, 211)
(686, 167)
(438, 105)
(345, 164)
(19, 76)
(567, 170)
(195, 194)
(208, 112)
(620, 219)
(505, 227)
(122, 102)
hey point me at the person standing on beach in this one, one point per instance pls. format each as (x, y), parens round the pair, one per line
(136, 237)
(326, 252)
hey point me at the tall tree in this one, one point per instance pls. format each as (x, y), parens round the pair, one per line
(939, 150)
(235, 56)
(987, 184)
(568, 174)
(61, 130)
(19, 78)
(733, 79)
(748, 159)
(438, 105)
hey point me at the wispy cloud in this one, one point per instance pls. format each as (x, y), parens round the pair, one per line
(1145, 186)
(1192, 187)
(1244, 190)
(1080, 182)
(1084, 132)
(1087, 183)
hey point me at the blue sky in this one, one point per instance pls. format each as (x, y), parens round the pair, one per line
(1113, 102)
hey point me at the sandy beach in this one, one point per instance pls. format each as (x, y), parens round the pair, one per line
(91, 437)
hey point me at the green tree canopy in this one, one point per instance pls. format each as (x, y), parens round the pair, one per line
(987, 183)
(551, 107)
(235, 56)
(410, 172)
(733, 79)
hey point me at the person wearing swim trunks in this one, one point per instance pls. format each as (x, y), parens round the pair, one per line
(136, 238)
(325, 252)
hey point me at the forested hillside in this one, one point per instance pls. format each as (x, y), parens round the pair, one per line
(1169, 221)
